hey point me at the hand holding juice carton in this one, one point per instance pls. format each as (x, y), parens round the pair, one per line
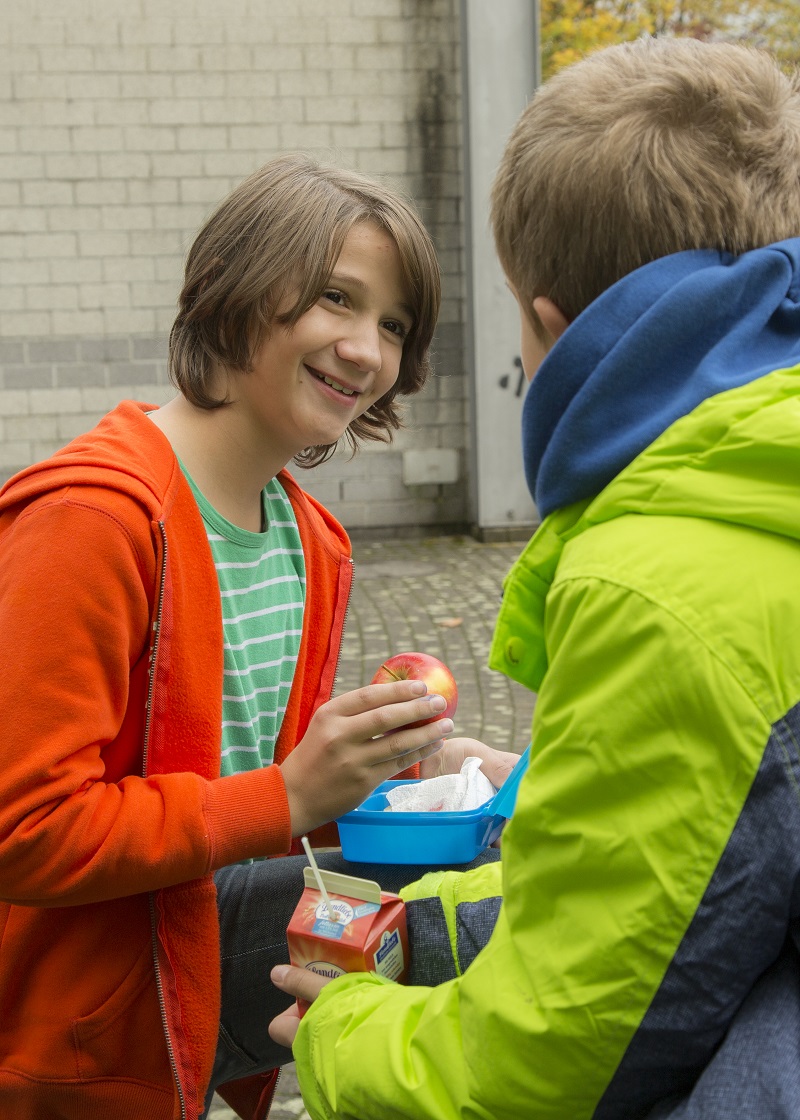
(346, 924)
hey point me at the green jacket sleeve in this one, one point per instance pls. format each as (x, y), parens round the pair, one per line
(645, 743)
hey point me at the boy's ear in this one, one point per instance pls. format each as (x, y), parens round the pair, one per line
(551, 317)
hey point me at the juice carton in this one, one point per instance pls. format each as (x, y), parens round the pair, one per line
(364, 930)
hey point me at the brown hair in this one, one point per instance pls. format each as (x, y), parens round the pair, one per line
(282, 228)
(641, 150)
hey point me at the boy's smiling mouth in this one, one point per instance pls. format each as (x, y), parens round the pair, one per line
(345, 390)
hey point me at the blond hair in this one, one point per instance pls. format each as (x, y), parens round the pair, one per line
(278, 236)
(642, 150)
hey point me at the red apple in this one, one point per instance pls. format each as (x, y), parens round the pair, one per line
(421, 667)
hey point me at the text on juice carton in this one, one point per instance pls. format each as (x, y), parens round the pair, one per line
(363, 930)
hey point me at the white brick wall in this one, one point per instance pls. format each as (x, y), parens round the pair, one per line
(122, 124)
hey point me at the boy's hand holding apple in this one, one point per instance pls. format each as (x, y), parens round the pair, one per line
(355, 742)
(496, 765)
(364, 737)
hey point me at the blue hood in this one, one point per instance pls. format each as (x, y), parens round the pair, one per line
(649, 350)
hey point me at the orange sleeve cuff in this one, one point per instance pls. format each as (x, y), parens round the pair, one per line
(248, 816)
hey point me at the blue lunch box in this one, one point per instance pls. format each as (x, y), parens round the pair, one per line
(368, 834)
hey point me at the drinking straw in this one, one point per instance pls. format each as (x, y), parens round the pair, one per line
(332, 915)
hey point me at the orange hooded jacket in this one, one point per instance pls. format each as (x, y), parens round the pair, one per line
(113, 816)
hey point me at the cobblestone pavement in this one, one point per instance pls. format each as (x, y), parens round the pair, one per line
(439, 596)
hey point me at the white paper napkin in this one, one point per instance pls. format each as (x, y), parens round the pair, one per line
(447, 793)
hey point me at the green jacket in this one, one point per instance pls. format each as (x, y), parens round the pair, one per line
(649, 874)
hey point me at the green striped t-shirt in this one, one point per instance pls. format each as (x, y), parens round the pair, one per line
(262, 589)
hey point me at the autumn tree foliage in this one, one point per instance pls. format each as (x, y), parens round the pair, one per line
(571, 29)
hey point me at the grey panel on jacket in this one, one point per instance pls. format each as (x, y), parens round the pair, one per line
(431, 956)
(427, 929)
(474, 924)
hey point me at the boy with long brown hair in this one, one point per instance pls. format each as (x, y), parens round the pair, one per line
(172, 602)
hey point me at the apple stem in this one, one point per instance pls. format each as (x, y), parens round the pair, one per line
(392, 673)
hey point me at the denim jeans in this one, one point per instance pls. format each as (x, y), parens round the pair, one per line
(255, 902)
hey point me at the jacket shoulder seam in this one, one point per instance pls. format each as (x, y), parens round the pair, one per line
(89, 507)
(682, 621)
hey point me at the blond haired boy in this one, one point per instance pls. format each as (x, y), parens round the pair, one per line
(643, 962)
